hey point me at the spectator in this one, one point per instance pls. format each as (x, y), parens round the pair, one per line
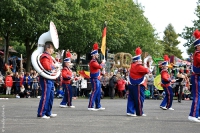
(147, 93)
(1, 83)
(104, 84)
(28, 92)
(156, 94)
(121, 87)
(186, 93)
(21, 78)
(1, 64)
(35, 87)
(8, 83)
(74, 85)
(60, 93)
(22, 93)
(180, 83)
(27, 81)
(150, 80)
(17, 83)
(126, 85)
(112, 86)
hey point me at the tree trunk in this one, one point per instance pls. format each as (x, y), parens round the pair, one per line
(28, 62)
(78, 58)
(7, 49)
(28, 55)
(29, 50)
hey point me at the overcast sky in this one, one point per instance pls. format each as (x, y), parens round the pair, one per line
(179, 13)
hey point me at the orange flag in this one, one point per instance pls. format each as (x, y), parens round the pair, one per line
(103, 44)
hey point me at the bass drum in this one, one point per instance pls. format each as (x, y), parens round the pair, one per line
(157, 82)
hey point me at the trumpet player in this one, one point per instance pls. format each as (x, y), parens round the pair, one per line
(66, 82)
(195, 80)
(47, 85)
(95, 67)
(166, 84)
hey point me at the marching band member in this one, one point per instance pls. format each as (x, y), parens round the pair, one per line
(136, 87)
(47, 85)
(95, 80)
(165, 83)
(195, 80)
(66, 82)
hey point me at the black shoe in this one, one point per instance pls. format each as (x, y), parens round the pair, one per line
(179, 101)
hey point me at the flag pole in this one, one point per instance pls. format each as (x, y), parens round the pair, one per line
(103, 45)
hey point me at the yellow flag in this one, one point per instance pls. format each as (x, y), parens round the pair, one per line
(103, 44)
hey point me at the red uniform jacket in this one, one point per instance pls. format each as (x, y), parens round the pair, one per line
(196, 59)
(137, 73)
(8, 81)
(66, 75)
(46, 61)
(95, 69)
(196, 63)
(165, 78)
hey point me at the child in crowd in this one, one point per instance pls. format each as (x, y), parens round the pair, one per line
(8, 83)
(22, 93)
(35, 87)
(147, 93)
(186, 93)
(121, 86)
(60, 93)
(156, 94)
(28, 92)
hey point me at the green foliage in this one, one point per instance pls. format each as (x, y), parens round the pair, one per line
(20, 48)
(187, 33)
(80, 24)
(170, 42)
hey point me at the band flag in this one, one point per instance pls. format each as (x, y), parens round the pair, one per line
(103, 44)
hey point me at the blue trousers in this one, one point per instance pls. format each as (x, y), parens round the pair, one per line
(67, 99)
(151, 89)
(194, 112)
(168, 99)
(46, 101)
(96, 94)
(135, 99)
(74, 91)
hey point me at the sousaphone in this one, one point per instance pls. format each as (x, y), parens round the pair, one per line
(52, 36)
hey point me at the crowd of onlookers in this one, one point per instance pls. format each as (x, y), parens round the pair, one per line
(26, 84)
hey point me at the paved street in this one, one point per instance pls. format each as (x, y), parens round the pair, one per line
(19, 116)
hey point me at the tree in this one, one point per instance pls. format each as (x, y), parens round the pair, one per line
(170, 42)
(127, 27)
(35, 22)
(10, 11)
(187, 33)
(80, 24)
(20, 48)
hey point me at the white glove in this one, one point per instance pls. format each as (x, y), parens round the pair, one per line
(103, 61)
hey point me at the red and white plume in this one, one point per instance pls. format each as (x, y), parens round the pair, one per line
(95, 46)
(196, 34)
(138, 51)
(166, 58)
(68, 54)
